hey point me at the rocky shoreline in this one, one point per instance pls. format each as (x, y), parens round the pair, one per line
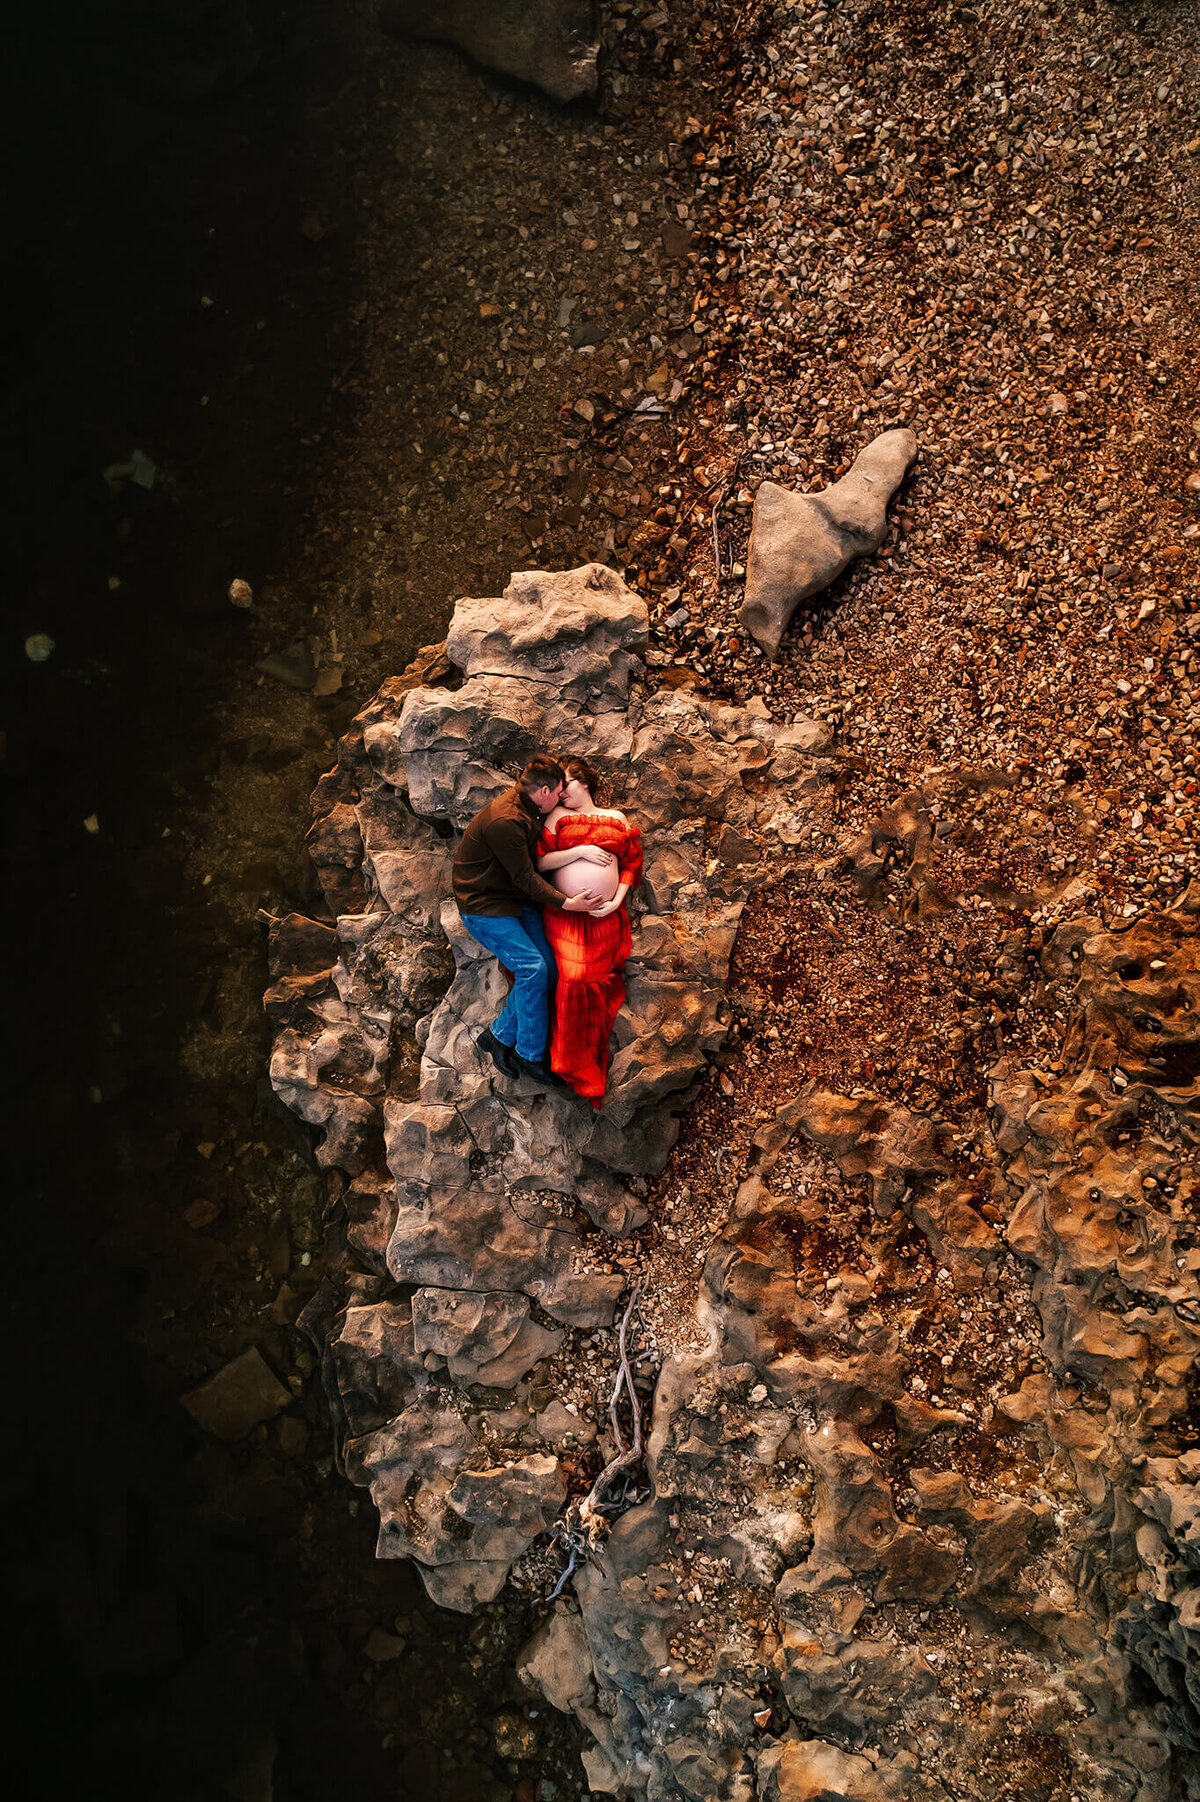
(864, 1566)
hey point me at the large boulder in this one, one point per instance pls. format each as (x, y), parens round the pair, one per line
(378, 1014)
(800, 543)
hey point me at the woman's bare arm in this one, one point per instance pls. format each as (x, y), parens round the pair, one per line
(554, 860)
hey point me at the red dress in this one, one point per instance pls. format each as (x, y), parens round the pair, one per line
(591, 956)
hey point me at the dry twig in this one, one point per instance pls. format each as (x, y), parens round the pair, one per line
(586, 1524)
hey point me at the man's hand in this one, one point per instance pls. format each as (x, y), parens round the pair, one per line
(582, 903)
(597, 854)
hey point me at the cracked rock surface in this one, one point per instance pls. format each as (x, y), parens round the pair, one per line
(855, 1536)
(921, 1514)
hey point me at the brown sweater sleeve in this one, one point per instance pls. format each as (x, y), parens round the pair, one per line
(508, 844)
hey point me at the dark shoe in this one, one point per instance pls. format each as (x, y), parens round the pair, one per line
(503, 1056)
(542, 1073)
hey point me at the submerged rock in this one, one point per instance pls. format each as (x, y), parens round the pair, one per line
(237, 1398)
(553, 44)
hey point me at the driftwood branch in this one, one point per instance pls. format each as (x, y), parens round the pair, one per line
(586, 1524)
(625, 1381)
(716, 536)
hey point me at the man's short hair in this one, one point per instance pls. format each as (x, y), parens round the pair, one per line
(541, 772)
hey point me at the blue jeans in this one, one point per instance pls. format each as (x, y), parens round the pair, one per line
(522, 947)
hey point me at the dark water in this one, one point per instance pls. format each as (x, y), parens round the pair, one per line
(186, 1621)
(204, 200)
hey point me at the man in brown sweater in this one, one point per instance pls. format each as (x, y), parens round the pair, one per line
(500, 896)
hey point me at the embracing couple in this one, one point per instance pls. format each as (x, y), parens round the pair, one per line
(564, 940)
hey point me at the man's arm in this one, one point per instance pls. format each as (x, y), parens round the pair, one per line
(508, 844)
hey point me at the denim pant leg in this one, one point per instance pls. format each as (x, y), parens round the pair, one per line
(533, 920)
(526, 1015)
(535, 998)
(504, 1026)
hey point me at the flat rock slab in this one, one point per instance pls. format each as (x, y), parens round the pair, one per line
(238, 1398)
(800, 543)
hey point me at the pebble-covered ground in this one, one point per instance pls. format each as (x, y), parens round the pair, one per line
(978, 222)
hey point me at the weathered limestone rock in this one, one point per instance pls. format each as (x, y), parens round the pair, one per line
(454, 1167)
(488, 1339)
(791, 1460)
(461, 1525)
(800, 543)
(553, 44)
(377, 1365)
(811, 1771)
(558, 1662)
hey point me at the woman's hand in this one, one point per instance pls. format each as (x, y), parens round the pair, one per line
(596, 854)
(605, 908)
(610, 907)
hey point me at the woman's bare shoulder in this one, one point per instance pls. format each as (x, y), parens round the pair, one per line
(613, 813)
(553, 817)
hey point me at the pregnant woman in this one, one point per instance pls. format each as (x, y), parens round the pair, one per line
(584, 846)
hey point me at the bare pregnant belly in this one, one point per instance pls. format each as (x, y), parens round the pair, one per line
(574, 877)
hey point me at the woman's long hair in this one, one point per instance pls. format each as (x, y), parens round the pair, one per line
(579, 770)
